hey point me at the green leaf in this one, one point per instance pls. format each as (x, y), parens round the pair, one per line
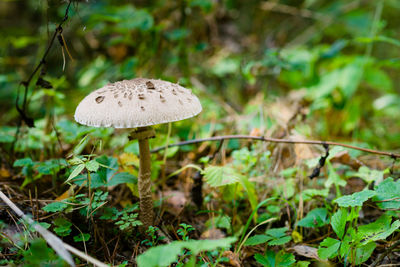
(356, 199)
(328, 248)
(23, 162)
(338, 222)
(369, 175)
(121, 178)
(63, 227)
(274, 237)
(55, 207)
(82, 237)
(378, 230)
(388, 194)
(165, 255)
(81, 145)
(311, 193)
(75, 161)
(92, 165)
(257, 239)
(364, 252)
(280, 259)
(333, 177)
(315, 218)
(221, 175)
(77, 170)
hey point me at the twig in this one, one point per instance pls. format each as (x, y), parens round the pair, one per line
(23, 117)
(59, 246)
(276, 140)
(57, 31)
(385, 253)
(51, 239)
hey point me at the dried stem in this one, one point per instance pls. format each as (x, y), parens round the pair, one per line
(276, 140)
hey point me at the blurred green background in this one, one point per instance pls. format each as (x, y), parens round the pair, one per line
(337, 61)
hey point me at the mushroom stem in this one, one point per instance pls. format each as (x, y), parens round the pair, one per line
(146, 214)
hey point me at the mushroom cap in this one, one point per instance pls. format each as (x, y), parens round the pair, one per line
(137, 103)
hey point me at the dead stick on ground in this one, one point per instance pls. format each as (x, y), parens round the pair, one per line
(276, 140)
(59, 246)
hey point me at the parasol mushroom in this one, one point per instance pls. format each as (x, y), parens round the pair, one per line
(138, 103)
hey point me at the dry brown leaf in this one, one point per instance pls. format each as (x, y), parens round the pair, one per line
(233, 259)
(66, 194)
(306, 251)
(4, 173)
(344, 158)
(302, 151)
(212, 233)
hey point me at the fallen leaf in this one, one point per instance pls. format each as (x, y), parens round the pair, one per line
(233, 259)
(344, 158)
(306, 251)
(4, 173)
(66, 194)
(212, 233)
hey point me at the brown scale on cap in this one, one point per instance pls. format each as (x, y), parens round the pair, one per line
(141, 96)
(125, 95)
(174, 92)
(119, 103)
(189, 99)
(162, 99)
(142, 108)
(99, 99)
(180, 102)
(130, 96)
(150, 85)
(116, 95)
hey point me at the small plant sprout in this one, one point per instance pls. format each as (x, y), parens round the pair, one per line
(138, 103)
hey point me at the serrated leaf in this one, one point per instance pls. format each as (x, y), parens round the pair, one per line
(55, 207)
(338, 222)
(369, 175)
(92, 165)
(328, 248)
(280, 241)
(315, 218)
(221, 175)
(356, 199)
(378, 230)
(388, 194)
(75, 161)
(364, 252)
(257, 239)
(280, 259)
(165, 255)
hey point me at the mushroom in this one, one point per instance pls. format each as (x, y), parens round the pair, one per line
(138, 103)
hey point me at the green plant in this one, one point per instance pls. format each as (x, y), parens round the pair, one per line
(128, 219)
(184, 231)
(154, 239)
(272, 259)
(165, 255)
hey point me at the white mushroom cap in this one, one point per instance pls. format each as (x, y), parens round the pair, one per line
(137, 103)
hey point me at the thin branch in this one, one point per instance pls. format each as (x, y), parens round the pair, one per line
(276, 140)
(51, 239)
(385, 253)
(23, 117)
(59, 246)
